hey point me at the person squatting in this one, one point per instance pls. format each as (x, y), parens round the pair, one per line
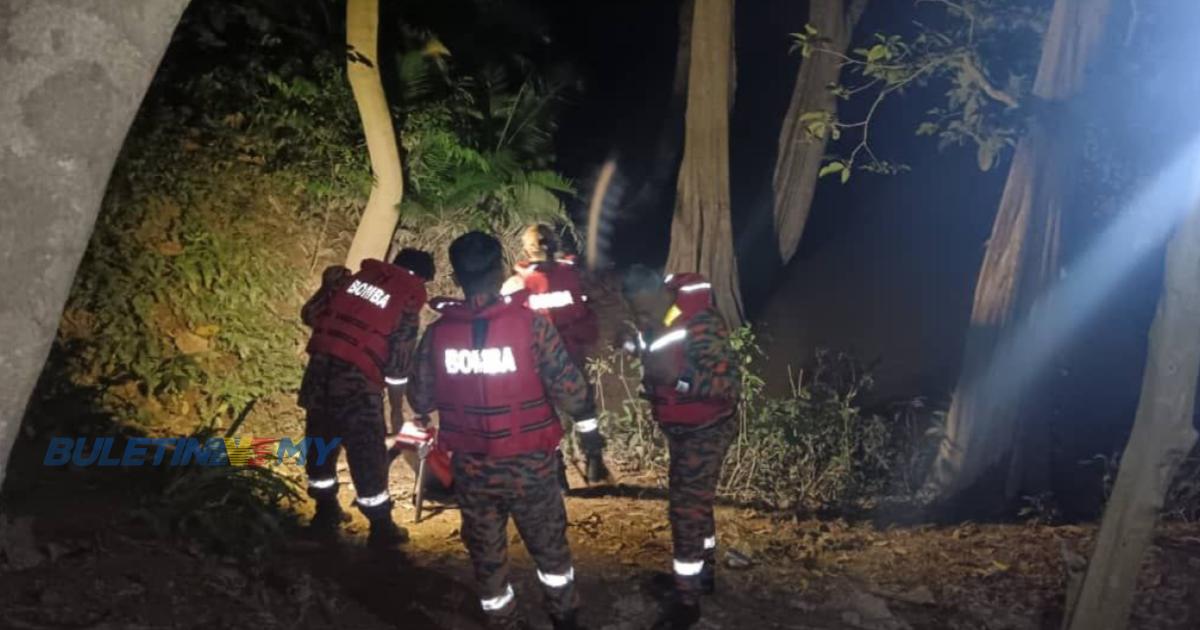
(498, 367)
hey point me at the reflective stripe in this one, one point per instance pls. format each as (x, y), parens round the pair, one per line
(689, 569)
(710, 542)
(699, 286)
(669, 277)
(554, 299)
(557, 581)
(395, 381)
(566, 261)
(668, 339)
(641, 341)
(587, 426)
(374, 501)
(498, 603)
(321, 484)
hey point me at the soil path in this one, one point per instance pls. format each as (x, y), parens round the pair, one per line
(73, 554)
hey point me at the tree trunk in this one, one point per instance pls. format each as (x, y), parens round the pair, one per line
(1162, 437)
(74, 73)
(800, 153)
(701, 230)
(1020, 260)
(379, 218)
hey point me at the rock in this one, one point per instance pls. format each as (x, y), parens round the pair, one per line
(735, 559)
(18, 545)
(868, 611)
(919, 595)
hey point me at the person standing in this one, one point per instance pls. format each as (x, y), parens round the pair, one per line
(364, 330)
(691, 377)
(552, 286)
(495, 371)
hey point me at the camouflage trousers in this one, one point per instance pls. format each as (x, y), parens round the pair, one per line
(695, 470)
(359, 422)
(526, 488)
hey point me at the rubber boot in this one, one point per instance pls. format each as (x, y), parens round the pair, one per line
(570, 621)
(678, 616)
(515, 621)
(708, 575)
(385, 533)
(327, 522)
(708, 578)
(597, 472)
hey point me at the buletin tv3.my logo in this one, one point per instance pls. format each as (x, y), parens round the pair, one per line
(180, 451)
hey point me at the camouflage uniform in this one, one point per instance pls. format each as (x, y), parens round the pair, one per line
(341, 402)
(695, 469)
(697, 454)
(489, 490)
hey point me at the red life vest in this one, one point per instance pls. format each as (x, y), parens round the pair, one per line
(555, 290)
(490, 398)
(670, 405)
(363, 312)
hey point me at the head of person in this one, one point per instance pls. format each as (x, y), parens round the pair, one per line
(478, 263)
(539, 242)
(647, 294)
(416, 261)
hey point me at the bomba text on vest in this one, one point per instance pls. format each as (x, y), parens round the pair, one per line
(370, 293)
(484, 361)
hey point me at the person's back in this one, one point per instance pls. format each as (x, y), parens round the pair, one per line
(495, 371)
(364, 330)
(690, 375)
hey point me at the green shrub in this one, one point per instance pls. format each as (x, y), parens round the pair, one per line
(813, 449)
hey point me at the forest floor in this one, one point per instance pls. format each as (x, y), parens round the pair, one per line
(72, 557)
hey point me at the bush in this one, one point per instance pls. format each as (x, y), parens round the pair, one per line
(811, 450)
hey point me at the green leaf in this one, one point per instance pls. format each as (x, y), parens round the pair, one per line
(845, 175)
(831, 168)
(878, 52)
(927, 129)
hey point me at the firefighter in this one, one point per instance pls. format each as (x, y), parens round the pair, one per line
(364, 330)
(690, 376)
(495, 371)
(553, 287)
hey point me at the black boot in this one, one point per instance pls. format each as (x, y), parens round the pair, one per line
(327, 522)
(708, 578)
(514, 621)
(570, 621)
(385, 534)
(678, 616)
(597, 472)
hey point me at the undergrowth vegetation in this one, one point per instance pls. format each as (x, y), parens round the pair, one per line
(812, 450)
(244, 175)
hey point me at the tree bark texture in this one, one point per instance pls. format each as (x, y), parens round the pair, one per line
(74, 73)
(1162, 437)
(1019, 263)
(379, 218)
(701, 230)
(800, 153)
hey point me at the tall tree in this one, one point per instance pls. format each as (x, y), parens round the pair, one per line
(702, 229)
(1162, 437)
(74, 74)
(1020, 260)
(801, 152)
(379, 218)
